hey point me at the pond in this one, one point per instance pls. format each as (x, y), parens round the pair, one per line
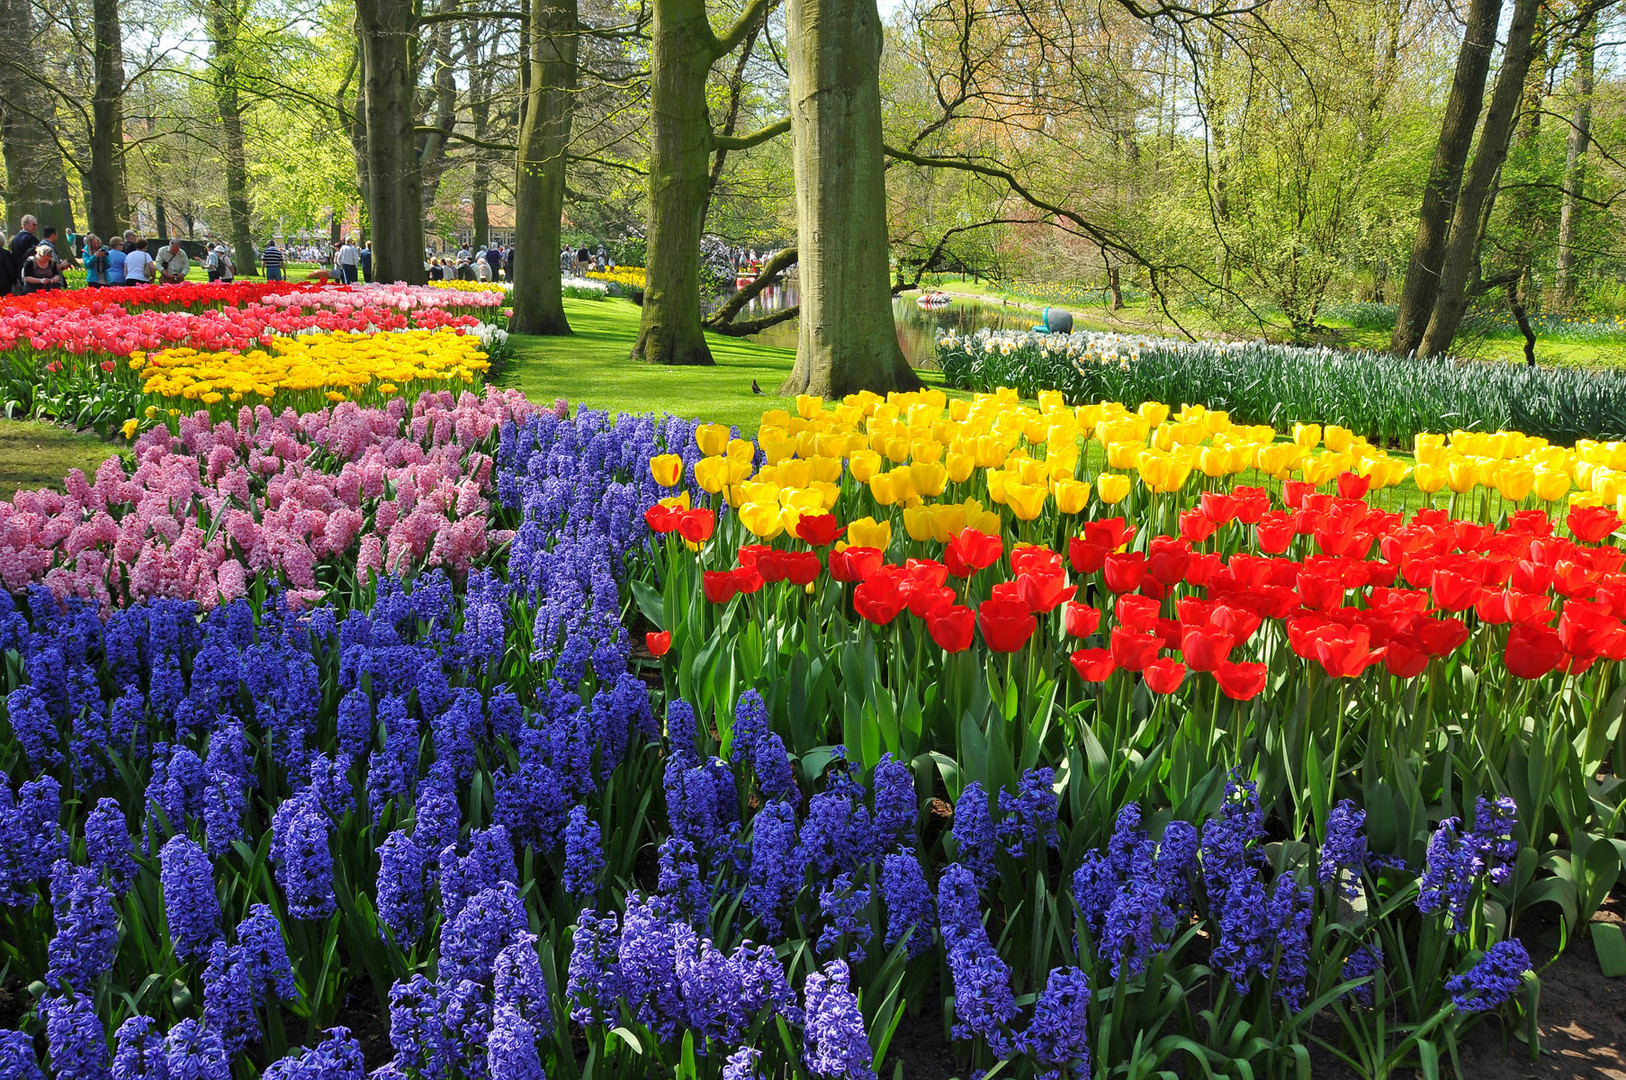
(918, 330)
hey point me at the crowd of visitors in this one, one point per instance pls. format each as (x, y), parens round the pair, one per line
(493, 263)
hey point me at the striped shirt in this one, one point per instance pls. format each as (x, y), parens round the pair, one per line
(271, 256)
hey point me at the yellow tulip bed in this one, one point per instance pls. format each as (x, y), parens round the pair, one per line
(310, 371)
(628, 277)
(948, 465)
(468, 286)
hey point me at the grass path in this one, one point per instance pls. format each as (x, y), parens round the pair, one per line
(591, 367)
(35, 454)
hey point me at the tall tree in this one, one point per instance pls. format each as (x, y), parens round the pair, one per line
(35, 181)
(1580, 134)
(682, 51)
(1462, 110)
(105, 196)
(847, 340)
(389, 35)
(1451, 299)
(225, 22)
(552, 34)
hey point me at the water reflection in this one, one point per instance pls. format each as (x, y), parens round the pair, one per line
(918, 330)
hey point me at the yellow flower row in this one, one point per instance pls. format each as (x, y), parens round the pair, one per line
(907, 449)
(342, 366)
(630, 276)
(467, 286)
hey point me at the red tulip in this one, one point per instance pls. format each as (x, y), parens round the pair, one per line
(697, 525)
(1404, 659)
(659, 641)
(952, 628)
(1320, 591)
(1351, 486)
(1453, 591)
(1345, 652)
(1573, 581)
(801, 567)
(1164, 676)
(769, 563)
(1251, 503)
(748, 579)
(926, 603)
(878, 599)
(1532, 650)
(819, 530)
(1080, 620)
(1123, 572)
(1026, 558)
(1195, 527)
(662, 519)
(854, 563)
(1086, 556)
(1440, 637)
(1590, 524)
(719, 586)
(1139, 613)
(1006, 625)
(1167, 559)
(1294, 492)
(927, 573)
(1531, 577)
(1241, 681)
(1274, 532)
(969, 551)
(1094, 665)
(1206, 647)
(1239, 622)
(1113, 533)
(1133, 651)
(1217, 507)
(1044, 591)
(1204, 565)
(1587, 632)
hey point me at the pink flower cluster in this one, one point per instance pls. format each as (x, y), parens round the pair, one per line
(399, 297)
(204, 511)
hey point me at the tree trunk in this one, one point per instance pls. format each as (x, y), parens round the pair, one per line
(480, 114)
(432, 159)
(395, 209)
(160, 217)
(1115, 283)
(539, 184)
(1422, 282)
(104, 184)
(225, 18)
(682, 52)
(1452, 297)
(848, 341)
(35, 181)
(1580, 135)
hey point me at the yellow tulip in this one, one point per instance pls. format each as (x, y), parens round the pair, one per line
(947, 520)
(808, 406)
(1050, 401)
(667, 469)
(742, 450)
(998, 480)
(1026, 500)
(1153, 412)
(917, 522)
(796, 473)
(763, 519)
(864, 464)
(1461, 474)
(1551, 484)
(1123, 455)
(883, 488)
(1337, 438)
(712, 438)
(1111, 488)
(776, 450)
(960, 466)
(1430, 477)
(1307, 436)
(928, 478)
(711, 473)
(827, 469)
(776, 418)
(867, 532)
(1071, 495)
(926, 450)
(1515, 480)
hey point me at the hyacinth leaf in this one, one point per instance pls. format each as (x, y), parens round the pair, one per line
(1609, 943)
(650, 602)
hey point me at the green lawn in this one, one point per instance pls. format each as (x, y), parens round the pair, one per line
(591, 367)
(34, 454)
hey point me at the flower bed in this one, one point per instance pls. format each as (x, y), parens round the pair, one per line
(62, 354)
(916, 746)
(1385, 398)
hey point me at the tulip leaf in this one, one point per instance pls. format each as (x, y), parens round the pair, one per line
(1609, 942)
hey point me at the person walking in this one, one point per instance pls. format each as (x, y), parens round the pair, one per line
(211, 264)
(347, 261)
(271, 258)
(173, 263)
(367, 261)
(138, 264)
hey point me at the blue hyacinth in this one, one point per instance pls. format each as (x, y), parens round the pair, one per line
(73, 1032)
(87, 931)
(908, 901)
(1492, 982)
(837, 1046)
(845, 907)
(1343, 854)
(1058, 1037)
(302, 856)
(584, 856)
(140, 1053)
(17, 1061)
(776, 873)
(337, 1057)
(190, 905)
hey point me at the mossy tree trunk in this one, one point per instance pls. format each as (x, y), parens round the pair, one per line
(539, 185)
(107, 201)
(848, 341)
(389, 31)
